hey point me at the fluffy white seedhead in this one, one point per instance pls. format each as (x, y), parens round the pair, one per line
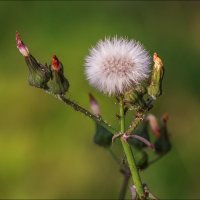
(115, 65)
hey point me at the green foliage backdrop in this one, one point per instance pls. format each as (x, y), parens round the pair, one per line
(46, 149)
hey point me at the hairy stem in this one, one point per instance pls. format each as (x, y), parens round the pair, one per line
(139, 118)
(129, 155)
(77, 107)
(140, 115)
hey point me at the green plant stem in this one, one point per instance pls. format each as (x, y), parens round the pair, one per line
(77, 107)
(129, 155)
(127, 175)
(139, 117)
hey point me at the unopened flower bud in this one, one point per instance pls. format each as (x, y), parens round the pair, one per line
(56, 64)
(38, 74)
(58, 84)
(155, 87)
(21, 46)
(134, 98)
(94, 106)
(153, 122)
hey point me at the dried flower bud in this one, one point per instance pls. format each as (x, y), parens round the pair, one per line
(153, 122)
(21, 46)
(155, 87)
(58, 84)
(94, 106)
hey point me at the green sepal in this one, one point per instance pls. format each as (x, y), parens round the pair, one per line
(58, 84)
(102, 136)
(134, 98)
(155, 87)
(39, 74)
(163, 144)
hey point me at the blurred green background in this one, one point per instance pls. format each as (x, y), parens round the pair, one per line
(46, 149)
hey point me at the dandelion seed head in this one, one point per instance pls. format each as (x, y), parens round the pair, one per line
(116, 64)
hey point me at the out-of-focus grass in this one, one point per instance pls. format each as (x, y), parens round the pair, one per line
(46, 149)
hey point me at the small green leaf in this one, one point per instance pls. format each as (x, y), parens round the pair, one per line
(102, 136)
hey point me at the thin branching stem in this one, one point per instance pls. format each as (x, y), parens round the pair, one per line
(77, 107)
(140, 115)
(124, 187)
(139, 118)
(129, 155)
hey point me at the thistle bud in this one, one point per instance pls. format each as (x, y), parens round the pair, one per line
(58, 84)
(134, 98)
(102, 136)
(94, 106)
(153, 122)
(155, 87)
(56, 64)
(21, 46)
(38, 74)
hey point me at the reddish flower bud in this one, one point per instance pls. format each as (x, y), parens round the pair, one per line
(58, 84)
(153, 122)
(56, 65)
(94, 106)
(21, 46)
